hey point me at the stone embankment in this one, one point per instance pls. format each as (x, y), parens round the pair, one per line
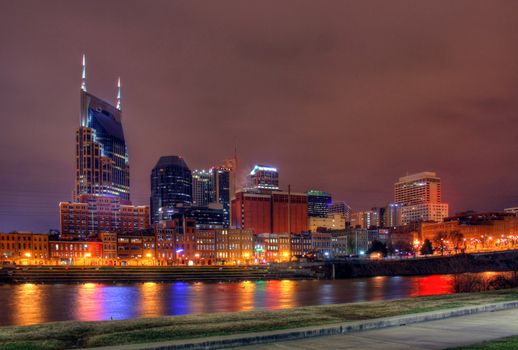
(47, 274)
(462, 263)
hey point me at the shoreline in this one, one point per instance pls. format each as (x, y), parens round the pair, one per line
(186, 329)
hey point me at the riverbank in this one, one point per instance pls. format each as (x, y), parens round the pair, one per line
(64, 274)
(462, 263)
(64, 335)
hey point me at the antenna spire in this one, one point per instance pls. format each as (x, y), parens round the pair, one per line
(119, 106)
(83, 76)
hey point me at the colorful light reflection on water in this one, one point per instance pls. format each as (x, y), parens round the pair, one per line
(29, 303)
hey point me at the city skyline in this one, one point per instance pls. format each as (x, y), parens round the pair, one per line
(172, 116)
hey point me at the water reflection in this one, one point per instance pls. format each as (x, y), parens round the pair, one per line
(37, 303)
(29, 305)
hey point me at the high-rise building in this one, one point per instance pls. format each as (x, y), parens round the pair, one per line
(420, 198)
(263, 177)
(101, 200)
(101, 152)
(231, 166)
(275, 212)
(392, 215)
(318, 203)
(171, 188)
(221, 189)
(202, 188)
(340, 207)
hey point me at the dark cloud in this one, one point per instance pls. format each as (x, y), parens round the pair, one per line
(342, 96)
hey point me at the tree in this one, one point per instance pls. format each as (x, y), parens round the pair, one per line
(378, 247)
(427, 248)
(457, 238)
(440, 241)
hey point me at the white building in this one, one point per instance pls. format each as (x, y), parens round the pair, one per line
(419, 196)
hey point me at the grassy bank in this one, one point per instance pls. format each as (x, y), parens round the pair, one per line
(510, 343)
(64, 335)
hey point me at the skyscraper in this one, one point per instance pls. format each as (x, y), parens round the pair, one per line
(212, 187)
(171, 188)
(318, 203)
(221, 186)
(419, 196)
(202, 187)
(102, 163)
(101, 200)
(263, 177)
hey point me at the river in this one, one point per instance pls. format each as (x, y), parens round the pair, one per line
(28, 303)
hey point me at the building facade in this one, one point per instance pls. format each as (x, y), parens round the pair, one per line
(263, 178)
(276, 212)
(340, 207)
(101, 196)
(201, 188)
(318, 203)
(420, 198)
(330, 222)
(171, 188)
(101, 152)
(24, 247)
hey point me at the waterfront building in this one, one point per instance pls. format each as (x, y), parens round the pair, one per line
(275, 212)
(137, 248)
(263, 178)
(171, 188)
(300, 244)
(420, 198)
(182, 231)
(357, 241)
(472, 231)
(233, 246)
(273, 247)
(76, 252)
(224, 246)
(24, 247)
(92, 214)
(511, 211)
(318, 203)
(109, 248)
(321, 244)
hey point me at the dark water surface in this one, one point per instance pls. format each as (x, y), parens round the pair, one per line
(29, 303)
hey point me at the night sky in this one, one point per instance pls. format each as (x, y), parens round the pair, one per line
(341, 96)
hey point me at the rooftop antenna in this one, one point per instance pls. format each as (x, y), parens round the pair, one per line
(83, 76)
(119, 106)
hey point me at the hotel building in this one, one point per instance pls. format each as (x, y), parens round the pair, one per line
(419, 196)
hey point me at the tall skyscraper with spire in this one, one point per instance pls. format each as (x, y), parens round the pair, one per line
(101, 200)
(102, 163)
